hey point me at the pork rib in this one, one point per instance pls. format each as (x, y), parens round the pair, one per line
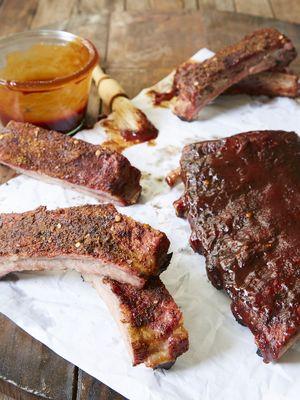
(60, 159)
(149, 319)
(242, 200)
(197, 84)
(93, 239)
(271, 83)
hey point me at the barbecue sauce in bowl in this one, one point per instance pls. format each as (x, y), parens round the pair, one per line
(47, 83)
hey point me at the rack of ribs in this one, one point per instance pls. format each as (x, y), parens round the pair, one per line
(92, 239)
(242, 200)
(270, 83)
(60, 159)
(197, 84)
(149, 319)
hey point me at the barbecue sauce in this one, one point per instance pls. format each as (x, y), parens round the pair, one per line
(162, 99)
(120, 140)
(46, 85)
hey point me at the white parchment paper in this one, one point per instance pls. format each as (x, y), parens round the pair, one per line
(67, 315)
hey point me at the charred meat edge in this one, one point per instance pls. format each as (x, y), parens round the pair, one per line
(149, 320)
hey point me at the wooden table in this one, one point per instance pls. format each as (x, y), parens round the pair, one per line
(139, 41)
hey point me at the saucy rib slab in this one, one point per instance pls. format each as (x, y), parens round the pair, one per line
(242, 200)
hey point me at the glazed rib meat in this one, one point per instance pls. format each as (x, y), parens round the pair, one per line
(56, 158)
(93, 239)
(149, 319)
(271, 83)
(197, 84)
(242, 200)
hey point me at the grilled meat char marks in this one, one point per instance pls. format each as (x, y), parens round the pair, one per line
(149, 319)
(57, 158)
(197, 84)
(242, 200)
(91, 239)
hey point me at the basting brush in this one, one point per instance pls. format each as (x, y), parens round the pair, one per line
(125, 119)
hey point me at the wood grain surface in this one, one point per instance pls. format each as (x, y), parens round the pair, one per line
(168, 32)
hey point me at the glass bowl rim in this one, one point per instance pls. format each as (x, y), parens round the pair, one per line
(55, 82)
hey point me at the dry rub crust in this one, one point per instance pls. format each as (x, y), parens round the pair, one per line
(81, 165)
(85, 233)
(197, 84)
(154, 322)
(242, 200)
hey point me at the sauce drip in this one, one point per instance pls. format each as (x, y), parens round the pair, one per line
(143, 135)
(162, 99)
(121, 139)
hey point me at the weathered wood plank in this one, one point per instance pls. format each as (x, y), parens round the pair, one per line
(286, 10)
(16, 18)
(191, 4)
(4, 397)
(161, 5)
(254, 7)
(221, 5)
(28, 368)
(91, 389)
(225, 5)
(98, 6)
(51, 11)
(175, 45)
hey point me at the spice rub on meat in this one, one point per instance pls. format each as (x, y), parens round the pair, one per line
(57, 158)
(242, 200)
(197, 84)
(149, 319)
(92, 239)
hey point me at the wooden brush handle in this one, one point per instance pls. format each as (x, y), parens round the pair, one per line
(108, 88)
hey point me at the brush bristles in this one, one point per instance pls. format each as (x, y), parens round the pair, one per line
(127, 116)
(129, 122)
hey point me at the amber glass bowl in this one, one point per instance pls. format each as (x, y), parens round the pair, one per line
(45, 78)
